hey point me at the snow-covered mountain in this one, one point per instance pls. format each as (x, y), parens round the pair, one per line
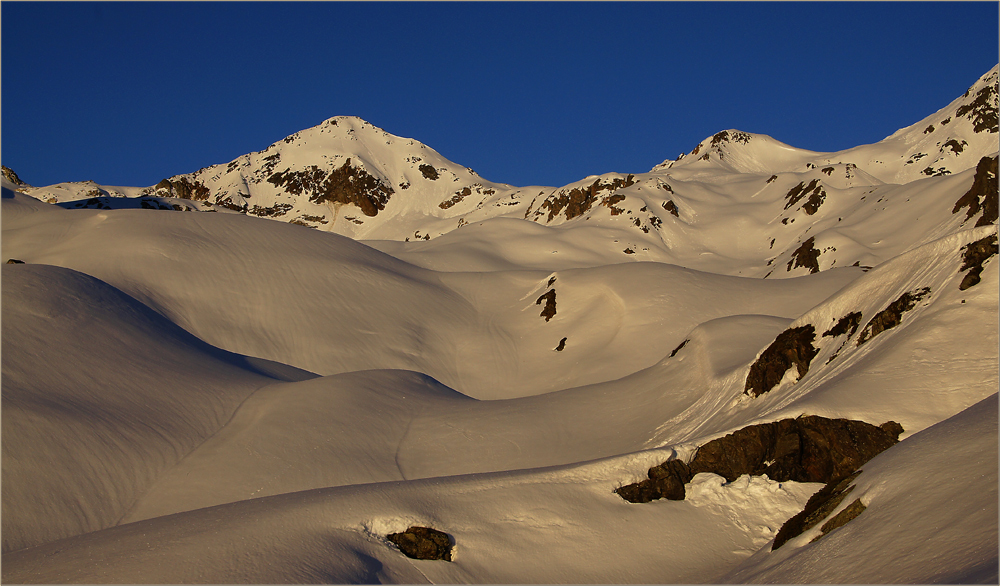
(217, 396)
(349, 177)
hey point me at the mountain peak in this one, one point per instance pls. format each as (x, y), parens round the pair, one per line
(741, 152)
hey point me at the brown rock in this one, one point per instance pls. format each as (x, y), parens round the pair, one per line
(423, 543)
(976, 253)
(550, 304)
(793, 347)
(983, 193)
(806, 449)
(666, 480)
(892, 315)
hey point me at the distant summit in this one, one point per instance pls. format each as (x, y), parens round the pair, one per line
(951, 140)
(736, 196)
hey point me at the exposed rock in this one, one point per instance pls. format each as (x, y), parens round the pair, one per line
(550, 304)
(184, 188)
(892, 315)
(678, 349)
(458, 197)
(805, 256)
(724, 136)
(983, 193)
(561, 346)
(671, 207)
(278, 209)
(610, 202)
(228, 202)
(892, 428)
(428, 172)
(666, 480)
(850, 322)
(976, 253)
(793, 347)
(806, 449)
(11, 176)
(628, 251)
(816, 199)
(842, 518)
(423, 543)
(817, 508)
(578, 201)
(814, 190)
(344, 185)
(955, 146)
(982, 110)
(14, 261)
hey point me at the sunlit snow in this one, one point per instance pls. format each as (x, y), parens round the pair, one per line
(192, 394)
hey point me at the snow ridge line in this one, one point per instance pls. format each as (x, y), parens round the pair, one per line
(208, 437)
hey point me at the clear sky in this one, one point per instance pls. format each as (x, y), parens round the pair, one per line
(525, 93)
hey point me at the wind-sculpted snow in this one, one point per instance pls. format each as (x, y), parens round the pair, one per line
(266, 368)
(100, 395)
(327, 304)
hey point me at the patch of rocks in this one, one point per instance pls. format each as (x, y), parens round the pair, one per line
(806, 449)
(424, 543)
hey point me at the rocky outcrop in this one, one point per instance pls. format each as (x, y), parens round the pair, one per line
(277, 210)
(347, 185)
(806, 449)
(678, 348)
(819, 506)
(976, 253)
(982, 110)
(845, 325)
(549, 311)
(814, 191)
(423, 543)
(892, 315)
(184, 189)
(577, 201)
(805, 256)
(983, 193)
(792, 347)
(665, 481)
(428, 172)
(11, 176)
(457, 198)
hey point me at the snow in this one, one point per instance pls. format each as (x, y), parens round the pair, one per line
(931, 511)
(214, 397)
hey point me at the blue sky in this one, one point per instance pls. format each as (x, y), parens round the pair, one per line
(524, 93)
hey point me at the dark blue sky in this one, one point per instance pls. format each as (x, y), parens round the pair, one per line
(524, 93)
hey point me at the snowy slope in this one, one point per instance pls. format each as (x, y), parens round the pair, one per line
(939, 487)
(328, 304)
(223, 398)
(131, 392)
(951, 140)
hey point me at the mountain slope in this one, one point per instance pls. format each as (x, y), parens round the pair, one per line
(268, 402)
(350, 177)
